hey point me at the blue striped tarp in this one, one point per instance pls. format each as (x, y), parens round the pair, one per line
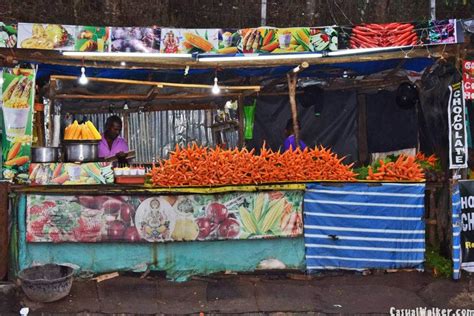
(361, 226)
(456, 201)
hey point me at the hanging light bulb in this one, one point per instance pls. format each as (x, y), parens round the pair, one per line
(215, 88)
(83, 79)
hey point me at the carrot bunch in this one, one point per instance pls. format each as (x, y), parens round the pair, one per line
(430, 160)
(405, 168)
(200, 166)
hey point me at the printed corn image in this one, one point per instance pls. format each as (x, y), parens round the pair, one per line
(198, 42)
(17, 93)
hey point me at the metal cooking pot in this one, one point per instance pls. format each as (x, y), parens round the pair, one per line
(45, 154)
(81, 151)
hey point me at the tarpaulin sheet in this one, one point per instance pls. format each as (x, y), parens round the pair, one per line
(327, 118)
(456, 222)
(389, 127)
(363, 226)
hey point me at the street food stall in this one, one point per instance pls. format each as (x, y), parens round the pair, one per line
(207, 188)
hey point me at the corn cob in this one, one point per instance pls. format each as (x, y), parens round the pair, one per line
(259, 201)
(67, 132)
(256, 42)
(26, 90)
(247, 220)
(187, 45)
(9, 90)
(198, 41)
(86, 133)
(94, 130)
(273, 214)
(228, 50)
(302, 35)
(17, 92)
(75, 130)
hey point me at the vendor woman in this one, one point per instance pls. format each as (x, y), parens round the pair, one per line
(290, 141)
(112, 144)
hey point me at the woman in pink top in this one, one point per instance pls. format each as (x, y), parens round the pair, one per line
(111, 143)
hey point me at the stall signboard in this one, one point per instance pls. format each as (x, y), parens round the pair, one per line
(277, 41)
(260, 40)
(466, 189)
(164, 218)
(399, 34)
(8, 35)
(457, 128)
(92, 39)
(71, 173)
(189, 41)
(135, 39)
(468, 79)
(46, 36)
(16, 105)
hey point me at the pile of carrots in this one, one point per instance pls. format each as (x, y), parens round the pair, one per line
(430, 160)
(200, 166)
(405, 168)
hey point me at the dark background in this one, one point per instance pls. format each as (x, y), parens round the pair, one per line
(227, 13)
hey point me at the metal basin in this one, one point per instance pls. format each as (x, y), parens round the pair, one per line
(46, 283)
(81, 151)
(45, 154)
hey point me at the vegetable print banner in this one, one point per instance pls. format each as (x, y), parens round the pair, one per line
(282, 41)
(164, 218)
(261, 40)
(59, 173)
(189, 41)
(16, 113)
(399, 34)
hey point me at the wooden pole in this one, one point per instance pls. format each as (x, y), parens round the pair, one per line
(292, 79)
(49, 114)
(158, 84)
(126, 118)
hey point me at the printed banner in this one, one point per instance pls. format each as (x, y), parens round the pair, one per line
(261, 40)
(17, 114)
(466, 189)
(189, 41)
(457, 128)
(239, 215)
(272, 40)
(8, 35)
(135, 39)
(468, 79)
(71, 173)
(399, 34)
(92, 39)
(46, 36)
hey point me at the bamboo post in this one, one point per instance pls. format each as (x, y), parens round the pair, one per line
(292, 79)
(49, 113)
(126, 119)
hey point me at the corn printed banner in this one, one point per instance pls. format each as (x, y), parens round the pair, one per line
(189, 41)
(16, 102)
(260, 40)
(71, 173)
(278, 41)
(161, 218)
